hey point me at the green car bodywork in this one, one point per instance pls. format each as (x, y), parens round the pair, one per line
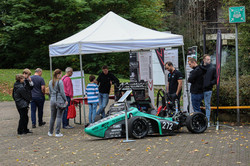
(99, 128)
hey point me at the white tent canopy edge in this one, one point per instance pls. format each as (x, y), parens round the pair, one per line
(113, 33)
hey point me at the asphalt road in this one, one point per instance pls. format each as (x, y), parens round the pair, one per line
(226, 146)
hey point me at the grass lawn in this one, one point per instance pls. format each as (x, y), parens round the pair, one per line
(7, 80)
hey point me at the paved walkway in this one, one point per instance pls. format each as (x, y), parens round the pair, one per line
(225, 147)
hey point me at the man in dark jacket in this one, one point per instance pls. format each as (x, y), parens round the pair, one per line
(104, 81)
(209, 80)
(196, 80)
(22, 99)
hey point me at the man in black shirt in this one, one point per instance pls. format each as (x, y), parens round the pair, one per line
(104, 81)
(174, 82)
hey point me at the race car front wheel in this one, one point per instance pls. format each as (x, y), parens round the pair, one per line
(138, 127)
(196, 122)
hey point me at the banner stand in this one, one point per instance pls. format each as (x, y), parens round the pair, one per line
(218, 69)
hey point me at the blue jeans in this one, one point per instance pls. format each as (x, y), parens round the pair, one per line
(196, 101)
(207, 100)
(65, 121)
(37, 102)
(103, 101)
(92, 112)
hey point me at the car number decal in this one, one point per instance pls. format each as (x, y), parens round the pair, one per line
(167, 126)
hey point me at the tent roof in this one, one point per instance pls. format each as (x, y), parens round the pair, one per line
(113, 33)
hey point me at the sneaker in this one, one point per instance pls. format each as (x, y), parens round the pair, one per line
(59, 135)
(71, 126)
(208, 125)
(68, 127)
(41, 124)
(33, 126)
(49, 134)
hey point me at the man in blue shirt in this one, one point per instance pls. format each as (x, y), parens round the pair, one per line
(38, 98)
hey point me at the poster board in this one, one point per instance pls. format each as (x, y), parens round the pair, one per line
(146, 71)
(77, 83)
(172, 56)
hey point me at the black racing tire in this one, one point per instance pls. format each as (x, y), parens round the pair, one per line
(137, 127)
(196, 122)
(98, 117)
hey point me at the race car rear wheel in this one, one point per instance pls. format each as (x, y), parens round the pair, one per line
(138, 127)
(196, 122)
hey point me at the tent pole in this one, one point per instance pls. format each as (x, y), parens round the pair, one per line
(82, 89)
(50, 61)
(184, 61)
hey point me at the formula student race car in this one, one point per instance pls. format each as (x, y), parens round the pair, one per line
(143, 120)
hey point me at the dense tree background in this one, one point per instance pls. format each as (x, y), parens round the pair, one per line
(27, 27)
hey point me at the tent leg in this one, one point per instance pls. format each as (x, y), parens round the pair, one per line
(184, 61)
(82, 90)
(50, 61)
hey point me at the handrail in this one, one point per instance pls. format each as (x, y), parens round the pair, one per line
(228, 107)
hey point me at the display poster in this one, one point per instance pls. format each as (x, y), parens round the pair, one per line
(77, 83)
(172, 56)
(133, 67)
(193, 51)
(146, 73)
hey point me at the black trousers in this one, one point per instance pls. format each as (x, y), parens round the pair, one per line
(23, 121)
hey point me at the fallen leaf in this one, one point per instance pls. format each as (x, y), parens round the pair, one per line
(207, 154)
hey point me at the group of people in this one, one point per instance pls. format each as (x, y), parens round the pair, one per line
(31, 90)
(202, 79)
(98, 92)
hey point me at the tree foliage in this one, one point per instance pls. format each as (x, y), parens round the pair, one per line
(27, 27)
(243, 39)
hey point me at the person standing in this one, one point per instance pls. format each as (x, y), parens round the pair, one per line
(22, 99)
(196, 80)
(68, 89)
(92, 95)
(209, 79)
(57, 93)
(28, 84)
(174, 85)
(38, 98)
(104, 81)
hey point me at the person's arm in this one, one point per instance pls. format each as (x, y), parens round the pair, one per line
(179, 87)
(24, 93)
(61, 87)
(214, 78)
(168, 87)
(43, 86)
(115, 79)
(194, 75)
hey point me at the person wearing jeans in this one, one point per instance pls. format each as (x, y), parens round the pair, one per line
(105, 80)
(196, 80)
(38, 98)
(92, 95)
(37, 102)
(68, 89)
(209, 78)
(103, 102)
(57, 94)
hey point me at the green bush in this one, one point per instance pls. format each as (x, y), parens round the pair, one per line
(228, 92)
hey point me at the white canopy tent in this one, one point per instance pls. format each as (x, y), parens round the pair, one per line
(113, 33)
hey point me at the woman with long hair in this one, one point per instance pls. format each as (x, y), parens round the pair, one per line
(56, 94)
